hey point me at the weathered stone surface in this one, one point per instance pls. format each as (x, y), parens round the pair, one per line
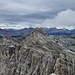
(35, 54)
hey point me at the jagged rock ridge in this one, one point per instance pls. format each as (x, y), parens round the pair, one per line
(35, 54)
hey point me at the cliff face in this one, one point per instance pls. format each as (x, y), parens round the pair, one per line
(35, 54)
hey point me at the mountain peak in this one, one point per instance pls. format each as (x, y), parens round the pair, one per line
(38, 31)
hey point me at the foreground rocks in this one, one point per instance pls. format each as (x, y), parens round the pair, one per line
(35, 54)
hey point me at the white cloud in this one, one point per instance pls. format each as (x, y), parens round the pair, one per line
(64, 19)
(15, 26)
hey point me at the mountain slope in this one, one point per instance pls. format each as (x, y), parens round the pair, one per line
(35, 54)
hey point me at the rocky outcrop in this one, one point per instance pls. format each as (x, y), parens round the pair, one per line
(35, 54)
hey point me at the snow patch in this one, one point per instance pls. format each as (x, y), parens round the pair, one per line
(53, 74)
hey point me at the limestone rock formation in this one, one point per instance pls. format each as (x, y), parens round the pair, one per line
(35, 54)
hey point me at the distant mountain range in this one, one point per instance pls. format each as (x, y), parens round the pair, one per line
(25, 31)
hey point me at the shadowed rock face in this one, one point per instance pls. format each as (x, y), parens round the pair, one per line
(35, 54)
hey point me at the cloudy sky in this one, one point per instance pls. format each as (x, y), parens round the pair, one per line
(37, 13)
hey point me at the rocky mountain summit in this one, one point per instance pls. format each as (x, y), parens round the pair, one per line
(35, 54)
